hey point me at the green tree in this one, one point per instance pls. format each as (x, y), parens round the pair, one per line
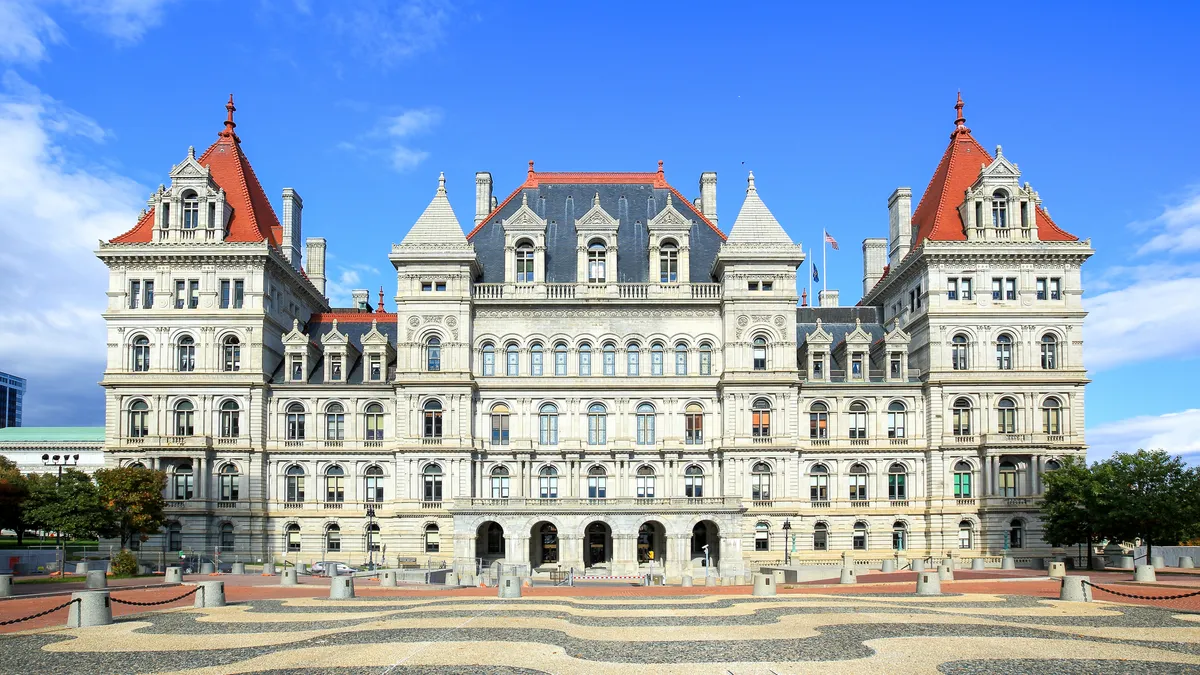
(14, 490)
(70, 506)
(134, 499)
(1151, 497)
(1073, 506)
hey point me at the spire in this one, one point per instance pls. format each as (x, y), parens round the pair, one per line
(960, 124)
(229, 123)
(531, 173)
(441, 183)
(379, 308)
(750, 184)
(660, 171)
(755, 223)
(438, 224)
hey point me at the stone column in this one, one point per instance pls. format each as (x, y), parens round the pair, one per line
(677, 563)
(624, 554)
(570, 551)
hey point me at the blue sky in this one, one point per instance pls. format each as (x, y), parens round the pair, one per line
(832, 108)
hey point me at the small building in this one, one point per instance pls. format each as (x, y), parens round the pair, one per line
(44, 449)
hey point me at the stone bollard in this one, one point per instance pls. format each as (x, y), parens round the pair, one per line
(289, 578)
(238, 568)
(687, 581)
(387, 579)
(1186, 562)
(93, 609)
(1075, 590)
(978, 564)
(207, 568)
(928, 583)
(302, 568)
(710, 581)
(5, 585)
(1125, 562)
(174, 575)
(918, 565)
(96, 579)
(945, 573)
(468, 579)
(211, 594)
(1007, 563)
(739, 580)
(889, 565)
(510, 586)
(1144, 573)
(341, 588)
(1158, 562)
(1098, 563)
(269, 569)
(847, 576)
(331, 570)
(780, 577)
(451, 579)
(764, 584)
(81, 568)
(1058, 570)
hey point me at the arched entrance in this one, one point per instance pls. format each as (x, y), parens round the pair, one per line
(652, 543)
(597, 544)
(705, 533)
(543, 544)
(489, 541)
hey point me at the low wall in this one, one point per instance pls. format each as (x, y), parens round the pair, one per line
(1170, 554)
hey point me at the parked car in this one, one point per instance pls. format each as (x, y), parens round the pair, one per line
(323, 566)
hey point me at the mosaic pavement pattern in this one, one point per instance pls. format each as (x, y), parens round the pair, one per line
(952, 634)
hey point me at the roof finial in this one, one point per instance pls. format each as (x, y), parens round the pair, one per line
(379, 309)
(668, 199)
(660, 169)
(191, 152)
(524, 198)
(999, 150)
(531, 168)
(441, 188)
(229, 123)
(960, 123)
(596, 200)
(804, 298)
(750, 189)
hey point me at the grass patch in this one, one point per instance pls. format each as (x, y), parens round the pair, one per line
(74, 579)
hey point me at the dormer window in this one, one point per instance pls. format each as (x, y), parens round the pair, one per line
(376, 368)
(335, 367)
(856, 365)
(597, 262)
(525, 267)
(191, 210)
(999, 209)
(297, 368)
(668, 263)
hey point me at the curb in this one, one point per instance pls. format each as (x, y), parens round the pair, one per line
(108, 588)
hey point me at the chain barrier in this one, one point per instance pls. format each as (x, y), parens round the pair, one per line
(39, 614)
(1142, 597)
(153, 604)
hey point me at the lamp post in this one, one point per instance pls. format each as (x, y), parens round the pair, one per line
(60, 461)
(370, 538)
(787, 552)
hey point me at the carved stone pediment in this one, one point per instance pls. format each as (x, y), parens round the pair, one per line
(596, 218)
(669, 218)
(525, 218)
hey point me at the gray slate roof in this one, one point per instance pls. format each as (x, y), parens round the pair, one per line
(354, 330)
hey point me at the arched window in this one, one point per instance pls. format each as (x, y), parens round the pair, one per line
(760, 418)
(860, 536)
(958, 352)
(512, 360)
(1008, 479)
(230, 419)
(820, 537)
(999, 209)
(174, 537)
(858, 420)
(432, 414)
(184, 418)
(961, 417)
(585, 359)
(187, 354)
(333, 538)
(489, 359)
(139, 357)
(758, 353)
(693, 482)
(433, 354)
(525, 262)
(231, 353)
(227, 543)
(535, 359)
(897, 416)
(597, 424)
(184, 481)
(433, 539)
(1006, 416)
(1051, 416)
(1016, 533)
(292, 537)
(1004, 352)
(432, 482)
(897, 482)
(597, 482)
(645, 424)
(373, 484)
(597, 262)
(858, 483)
(668, 262)
(295, 422)
(656, 359)
(500, 415)
(139, 414)
(681, 359)
(610, 359)
(373, 537)
(705, 358)
(373, 419)
(548, 424)
(335, 484)
(818, 483)
(693, 418)
(645, 482)
(899, 536)
(295, 484)
(191, 210)
(1053, 465)
(500, 483)
(1049, 352)
(633, 357)
(966, 534)
(548, 483)
(335, 422)
(818, 420)
(760, 481)
(962, 480)
(560, 359)
(762, 537)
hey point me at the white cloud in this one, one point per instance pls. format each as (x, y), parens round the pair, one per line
(53, 210)
(124, 20)
(345, 279)
(389, 32)
(395, 130)
(412, 122)
(1178, 433)
(1148, 320)
(404, 158)
(27, 29)
(1178, 228)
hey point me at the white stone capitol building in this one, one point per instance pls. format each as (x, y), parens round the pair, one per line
(597, 375)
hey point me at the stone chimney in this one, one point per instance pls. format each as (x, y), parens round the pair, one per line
(708, 195)
(900, 224)
(362, 299)
(828, 298)
(315, 267)
(483, 196)
(874, 258)
(292, 206)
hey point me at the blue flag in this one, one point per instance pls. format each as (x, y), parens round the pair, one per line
(816, 277)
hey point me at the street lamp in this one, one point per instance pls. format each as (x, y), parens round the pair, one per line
(370, 538)
(787, 552)
(60, 461)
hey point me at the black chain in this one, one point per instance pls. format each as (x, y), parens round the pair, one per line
(153, 604)
(1142, 597)
(39, 614)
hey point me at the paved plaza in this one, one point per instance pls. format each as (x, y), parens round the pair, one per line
(982, 624)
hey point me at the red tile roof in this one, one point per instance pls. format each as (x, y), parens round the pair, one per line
(253, 217)
(352, 317)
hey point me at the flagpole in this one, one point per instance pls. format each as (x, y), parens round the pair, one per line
(810, 264)
(824, 262)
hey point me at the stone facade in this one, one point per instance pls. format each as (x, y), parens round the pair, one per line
(597, 377)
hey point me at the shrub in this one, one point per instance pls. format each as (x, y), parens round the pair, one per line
(124, 564)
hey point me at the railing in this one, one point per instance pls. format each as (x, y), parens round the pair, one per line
(763, 503)
(428, 440)
(859, 441)
(898, 503)
(175, 504)
(334, 444)
(762, 439)
(431, 505)
(818, 442)
(964, 501)
(293, 444)
(609, 502)
(860, 503)
(573, 291)
(819, 504)
(372, 444)
(331, 505)
(633, 291)
(293, 505)
(964, 439)
(228, 440)
(227, 505)
(1016, 501)
(897, 441)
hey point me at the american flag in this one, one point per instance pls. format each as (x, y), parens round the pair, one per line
(831, 241)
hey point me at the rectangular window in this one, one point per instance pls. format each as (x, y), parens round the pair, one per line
(193, 293)
(856, 366)
(376, 369)
(499, 429)
(560, 362)
(952, 289)
(180, 294)
(753, 285)
(894, 366)
(535, 363)
(439, 286)
(610, 361)
(912, 301)
(768, 285)
(239, 292)
(694, 432)
(1010, 289)
(513, 359)
(656, 361)
(226, 291)
(633, 357)
(705, 361)
(1056, 289)
(962, 485)
(297, 368)
(997, 288)
(335, 367)
(135, 293)
(966, 288)
(585, 363)
(1041, 288)
(918, 294)
(427, 286)
(148, 294)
